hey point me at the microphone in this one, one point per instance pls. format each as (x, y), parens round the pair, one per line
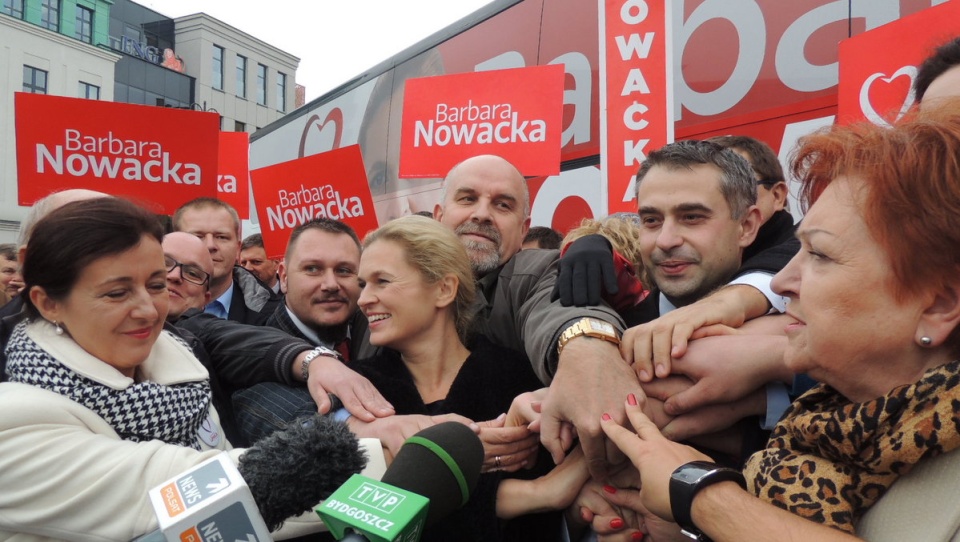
(282, 475)
(432, 476)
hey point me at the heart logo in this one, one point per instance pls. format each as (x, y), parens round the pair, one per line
(315, 137)
(889, 97)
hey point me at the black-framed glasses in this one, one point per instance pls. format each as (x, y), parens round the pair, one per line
(188, 272)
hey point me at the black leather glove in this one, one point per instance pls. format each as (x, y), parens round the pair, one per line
(584, 268)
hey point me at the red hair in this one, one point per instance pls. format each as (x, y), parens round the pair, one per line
(911, 199)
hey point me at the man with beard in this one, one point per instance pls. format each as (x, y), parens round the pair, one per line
(573, 349)
(319, 276)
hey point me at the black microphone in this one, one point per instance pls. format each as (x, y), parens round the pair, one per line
(292, 470)
(441, 463)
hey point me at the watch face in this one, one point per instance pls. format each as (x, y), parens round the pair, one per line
(601, 326)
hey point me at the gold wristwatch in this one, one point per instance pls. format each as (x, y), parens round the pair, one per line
(591, 327)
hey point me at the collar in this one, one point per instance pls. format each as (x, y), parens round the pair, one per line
(310, 334)
(170, 361)
(227, 299)
(665, 305)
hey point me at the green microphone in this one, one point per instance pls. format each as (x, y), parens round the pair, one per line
(432, 475)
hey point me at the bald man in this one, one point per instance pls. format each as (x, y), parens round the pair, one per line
(188, 275)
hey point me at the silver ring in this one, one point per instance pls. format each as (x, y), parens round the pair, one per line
(496, 461)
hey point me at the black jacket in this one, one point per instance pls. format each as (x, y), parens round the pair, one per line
(253, 301)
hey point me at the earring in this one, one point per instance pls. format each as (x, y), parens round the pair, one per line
(925, 341)
(58, 330)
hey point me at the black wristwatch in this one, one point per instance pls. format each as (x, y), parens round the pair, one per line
(689, 479)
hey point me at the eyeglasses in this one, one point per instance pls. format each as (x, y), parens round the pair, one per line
(188, 272)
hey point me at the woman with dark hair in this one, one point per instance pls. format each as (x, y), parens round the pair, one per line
(875, 302)
(101, 403)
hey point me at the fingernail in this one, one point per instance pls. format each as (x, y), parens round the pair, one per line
(632, 400)
(502, 416)
(644, 376)
(636, 536)
(610, 489)
(616, 523)
(584, 516)
(606, 417)
(661, 370)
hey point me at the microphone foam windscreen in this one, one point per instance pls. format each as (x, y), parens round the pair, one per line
(441, 463)
(292, 470)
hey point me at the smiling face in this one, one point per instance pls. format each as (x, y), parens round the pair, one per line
(186, 249)
(485, 202)
(399, 304)
(851, 331)
(689, 241)
(319, 275)
(127, 293)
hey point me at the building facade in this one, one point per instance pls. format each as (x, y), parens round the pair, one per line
(118, 50)
(249, 82)
(49, 47)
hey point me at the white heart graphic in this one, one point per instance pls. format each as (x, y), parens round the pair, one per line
(869, 112)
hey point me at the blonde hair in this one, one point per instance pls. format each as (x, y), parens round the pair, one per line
(623, 234)
(435, 252)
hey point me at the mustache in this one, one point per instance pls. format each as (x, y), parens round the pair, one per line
(331, 297)
(485, 230)
(659, 256)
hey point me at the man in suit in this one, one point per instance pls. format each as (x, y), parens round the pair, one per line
(236, 294)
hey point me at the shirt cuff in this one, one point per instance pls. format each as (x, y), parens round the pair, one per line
(777, 402)
(761, 281)
(341, 415)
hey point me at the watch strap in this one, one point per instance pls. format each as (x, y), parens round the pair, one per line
(312, 355)
(686, 481)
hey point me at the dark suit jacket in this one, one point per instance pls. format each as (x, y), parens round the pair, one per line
(281, 320)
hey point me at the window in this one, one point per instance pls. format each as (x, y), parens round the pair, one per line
(239, 126)
(218, 67)
(261, 84)
(241, 76)
(84, 24)
(88, 91)
(34, 80)
(13, 8)
(281, 92)
(50, 14)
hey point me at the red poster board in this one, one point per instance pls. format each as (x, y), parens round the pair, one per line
(515, 113)
(233, 173)
(156, 155)
(327, 185)
(638, 98)
(878, 67)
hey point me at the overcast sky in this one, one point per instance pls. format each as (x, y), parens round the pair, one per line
(334, 39)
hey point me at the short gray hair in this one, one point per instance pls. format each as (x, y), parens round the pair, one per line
(737, 182)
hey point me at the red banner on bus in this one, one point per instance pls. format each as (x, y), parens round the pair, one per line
(515, 113)
(155, 155)
(327, 185)
(878, 67)
(233, 173)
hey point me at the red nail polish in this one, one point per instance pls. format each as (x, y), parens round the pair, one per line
(606, 417)
(632, 400)
(616, 523)
(636, 536)
(610, 489)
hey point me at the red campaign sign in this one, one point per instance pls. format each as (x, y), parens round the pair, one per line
(155, 155)
(233, 172)
(638, 78)
(878, 67)
(328, 185)
(515, 113)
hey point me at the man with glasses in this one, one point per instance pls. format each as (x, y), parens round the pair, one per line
(239, 355)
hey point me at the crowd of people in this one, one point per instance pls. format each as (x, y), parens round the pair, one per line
(704, 368)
